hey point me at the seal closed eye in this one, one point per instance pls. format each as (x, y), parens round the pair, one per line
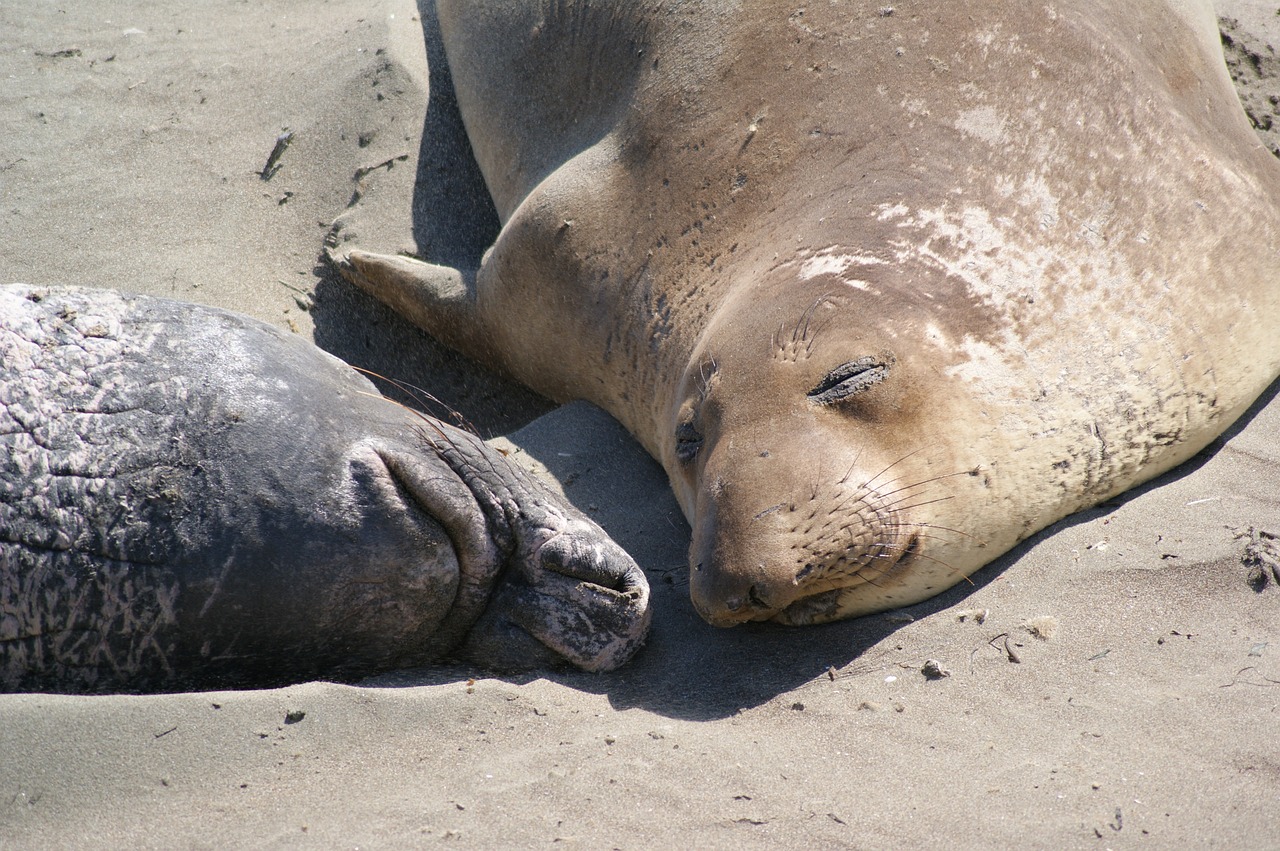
(688, 441)
(850, 378)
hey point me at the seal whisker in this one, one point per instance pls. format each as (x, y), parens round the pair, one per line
(867, 483)
(882, 497)
(868, 496)
(803, 333)
(936, 526)
(883, 494)
(813, 339)
(909, 549)
(435, 424)
(807, 315)
(859, 495)
(852, 466)
(771, 509)
(896, 507)
(418, 394)
(931, 537)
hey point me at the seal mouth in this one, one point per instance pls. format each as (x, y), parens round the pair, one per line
(818, 592)
(814, 609)
(739, 609)
(831, 603)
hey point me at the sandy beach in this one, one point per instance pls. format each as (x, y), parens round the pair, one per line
(1113, 682)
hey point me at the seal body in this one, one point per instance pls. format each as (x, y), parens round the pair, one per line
(189, 497)
(885, 289)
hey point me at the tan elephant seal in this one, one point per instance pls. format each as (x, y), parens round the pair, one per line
(885, 289)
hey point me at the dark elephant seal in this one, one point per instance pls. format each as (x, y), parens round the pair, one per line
(886, 289)
(190, 497)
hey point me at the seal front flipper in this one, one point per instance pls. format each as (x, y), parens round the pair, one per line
(441, 300)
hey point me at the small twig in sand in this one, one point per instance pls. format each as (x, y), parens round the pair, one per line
(358, 192)
(1009, 652)
(1267, 682)
(302, 298)
(273, 159)
(64, 53)
(387, 164)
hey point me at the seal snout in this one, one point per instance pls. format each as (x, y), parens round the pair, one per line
(735, 610)
(721, 606)
(826, 545)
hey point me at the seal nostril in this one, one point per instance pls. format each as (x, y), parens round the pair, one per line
(756, 600)
(733, 604)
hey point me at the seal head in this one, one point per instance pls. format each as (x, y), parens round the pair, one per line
(798, 437)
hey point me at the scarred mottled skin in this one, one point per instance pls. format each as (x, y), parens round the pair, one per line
(189, 497)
